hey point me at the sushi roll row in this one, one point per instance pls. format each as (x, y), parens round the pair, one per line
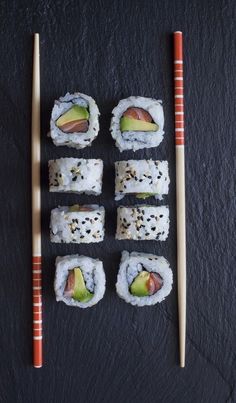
(137, 122)
(141, 178)
(85, 223)
(143, 279)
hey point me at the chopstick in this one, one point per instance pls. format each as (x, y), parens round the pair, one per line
(36, 211)
(180, 190)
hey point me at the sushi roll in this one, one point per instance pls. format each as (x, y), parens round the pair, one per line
(137, 123)
(143, 278)
(74, 121)
(77, 224)
(79, 280)
(143, 223)
(142, 178)
(76, 175)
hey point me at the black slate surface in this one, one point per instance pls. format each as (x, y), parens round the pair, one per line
(115, 352)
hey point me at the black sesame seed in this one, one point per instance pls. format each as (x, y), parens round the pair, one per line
(153, 228)
(148, 219)
(95, 218)
(152, 216)
(74, 179)
(87, 218)
(83, 222)
(88, 231)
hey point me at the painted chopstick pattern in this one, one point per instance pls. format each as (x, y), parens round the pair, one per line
(180, 190)
(178, 89)
(36, 212)
(37, 309)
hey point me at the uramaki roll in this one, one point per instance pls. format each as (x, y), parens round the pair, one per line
(77, 224)
(143, 222)
(137, 123)
(76, 175)
(79, 280)
(143, 278)
(142, 178)
(74, 121)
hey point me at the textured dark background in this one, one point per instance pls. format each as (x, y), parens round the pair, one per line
(115, 352)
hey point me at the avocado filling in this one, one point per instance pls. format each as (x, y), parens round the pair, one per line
(75, 286)
(74, 120)
(78, 208)
(146, 284)
(137, 119)
(144, 195)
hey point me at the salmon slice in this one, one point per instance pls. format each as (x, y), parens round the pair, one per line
(138, 114)
(76, 126)
(154, 283)
(70, 283)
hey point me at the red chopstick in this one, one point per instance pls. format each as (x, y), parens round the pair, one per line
(36, 211)
(180, 190)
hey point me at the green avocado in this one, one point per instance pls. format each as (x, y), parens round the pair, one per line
(135, 125)
(75, 113)
(139, 286)
(80, 291)
(144, 195)
(74, 208)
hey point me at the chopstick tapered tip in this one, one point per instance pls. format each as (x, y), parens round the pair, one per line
(178, 32)
(182, 364)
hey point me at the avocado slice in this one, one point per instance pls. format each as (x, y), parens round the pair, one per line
(75, 113)
(129, 124)
(74, 208)
(139, 286)
(80, 291)
(144, 195)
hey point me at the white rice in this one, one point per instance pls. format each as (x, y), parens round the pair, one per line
(141, 176)
(77, 140)
(143, 222)
(77, 226)
(76, 175)
(131, 264)
(136, 140)
(93, 274)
